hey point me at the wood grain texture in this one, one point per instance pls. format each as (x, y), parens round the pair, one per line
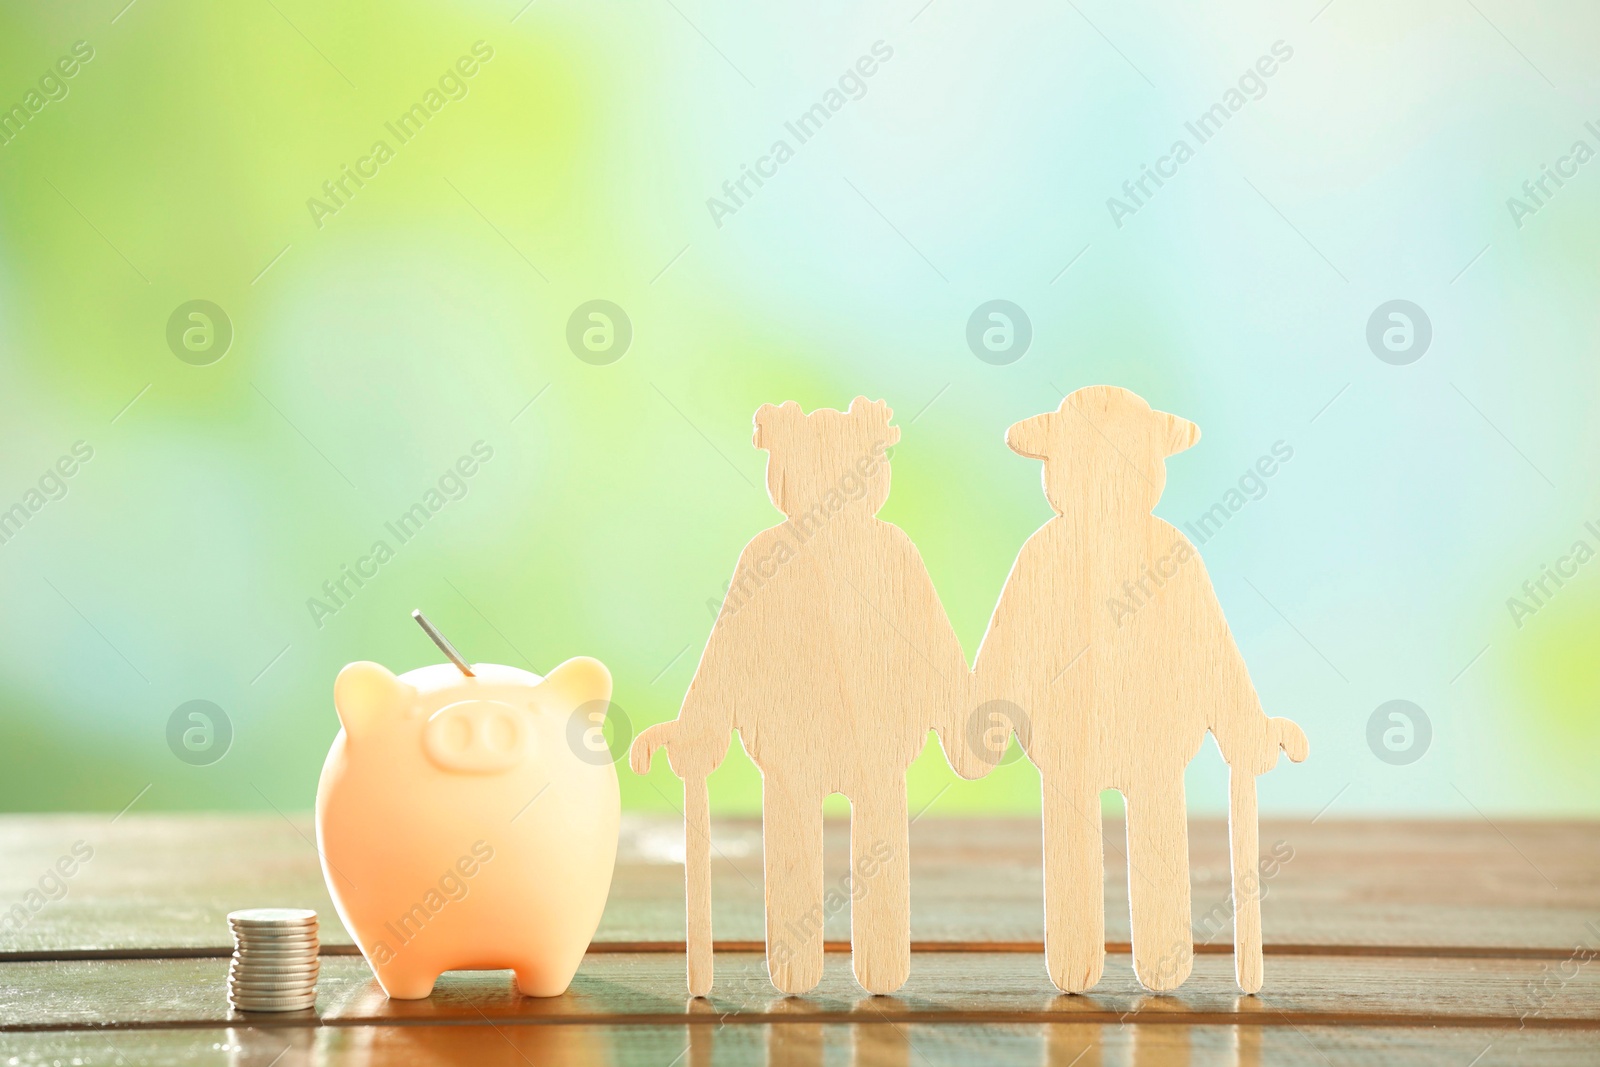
(165, 883)
(1111, 656)
(865, 1044)
(647, 989)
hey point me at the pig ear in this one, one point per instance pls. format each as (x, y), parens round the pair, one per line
(365, 693)
(575, 683)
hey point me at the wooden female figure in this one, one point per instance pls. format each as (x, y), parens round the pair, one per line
(833, 658)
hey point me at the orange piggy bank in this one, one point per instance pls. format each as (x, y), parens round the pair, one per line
(469, 822)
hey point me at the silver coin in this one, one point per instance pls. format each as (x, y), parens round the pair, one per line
(308, 947)
(259, 977)
(297, 989)
(262, 933)
(269, 966)
(271, 971)
(271, 928)
(275, 935)
(271, 916)
(268, 996)
(252, 1005)
(273, 992)
(241, 933)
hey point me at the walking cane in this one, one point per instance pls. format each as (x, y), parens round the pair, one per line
(1245, 833)
(697, 883)
(696, 857)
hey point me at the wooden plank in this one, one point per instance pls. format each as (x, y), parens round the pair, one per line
(810, 1045)
(165, 882)
(648, 989)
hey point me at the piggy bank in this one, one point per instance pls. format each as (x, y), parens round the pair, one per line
(461, 826)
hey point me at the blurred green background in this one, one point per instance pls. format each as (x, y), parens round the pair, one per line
(374, 345)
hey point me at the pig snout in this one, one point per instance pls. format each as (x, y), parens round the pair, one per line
(477, 737)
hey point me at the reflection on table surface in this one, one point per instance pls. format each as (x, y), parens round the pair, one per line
(707, 1040)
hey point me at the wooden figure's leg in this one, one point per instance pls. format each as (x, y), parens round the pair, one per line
(1158, 883)
(792, 846)
(1074, 887)
(880, 888)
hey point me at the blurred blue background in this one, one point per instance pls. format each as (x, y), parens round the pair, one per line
(380, 331)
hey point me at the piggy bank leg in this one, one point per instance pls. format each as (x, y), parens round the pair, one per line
(880, 887)
(1074, 884)
(792, 845)
(542, 980)
(405, 979)
(1158, 882)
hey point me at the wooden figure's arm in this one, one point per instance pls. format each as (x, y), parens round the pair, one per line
(1008, 682)
(697, 740)
(1249, 740)
(942, 690)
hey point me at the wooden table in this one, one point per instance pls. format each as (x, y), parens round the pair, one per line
(1450, 943)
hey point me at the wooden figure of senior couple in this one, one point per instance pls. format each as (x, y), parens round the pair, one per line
(1107, 654)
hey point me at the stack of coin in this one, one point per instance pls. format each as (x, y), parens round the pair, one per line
(274, 959)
